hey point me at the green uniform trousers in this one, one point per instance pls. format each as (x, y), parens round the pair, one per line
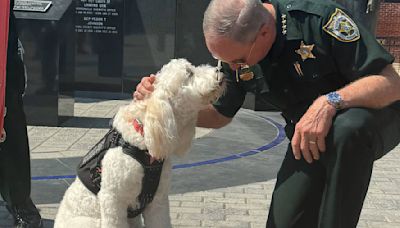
(329, 193)
(15, 176)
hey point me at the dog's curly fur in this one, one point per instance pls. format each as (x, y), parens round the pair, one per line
(169, 117)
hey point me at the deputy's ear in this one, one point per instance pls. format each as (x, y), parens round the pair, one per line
(264, 31)
(160, 130)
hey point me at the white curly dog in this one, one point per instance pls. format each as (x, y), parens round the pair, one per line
(168, 117)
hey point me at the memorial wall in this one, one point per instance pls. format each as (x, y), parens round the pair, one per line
(96, 47)
(47, 35)
(120, 41)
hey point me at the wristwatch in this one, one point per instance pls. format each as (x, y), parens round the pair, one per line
(335, 100)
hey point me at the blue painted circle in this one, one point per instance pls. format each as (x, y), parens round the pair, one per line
(276, 141)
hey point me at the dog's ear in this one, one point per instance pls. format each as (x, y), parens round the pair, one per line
(160, 130)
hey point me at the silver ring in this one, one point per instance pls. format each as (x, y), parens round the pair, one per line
(312, 142)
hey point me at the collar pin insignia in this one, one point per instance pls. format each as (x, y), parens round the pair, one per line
(284, 31)
(246, 74)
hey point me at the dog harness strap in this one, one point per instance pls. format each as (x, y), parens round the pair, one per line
(89, 169)
(151, 178)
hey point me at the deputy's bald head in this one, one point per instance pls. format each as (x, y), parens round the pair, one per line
(235, 19)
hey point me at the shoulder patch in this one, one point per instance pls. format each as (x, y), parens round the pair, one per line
(342, 27)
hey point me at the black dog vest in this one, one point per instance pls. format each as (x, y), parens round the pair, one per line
(89, 169)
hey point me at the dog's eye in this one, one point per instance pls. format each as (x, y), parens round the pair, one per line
(189, 72)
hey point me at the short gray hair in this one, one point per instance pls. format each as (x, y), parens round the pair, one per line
(238, 20)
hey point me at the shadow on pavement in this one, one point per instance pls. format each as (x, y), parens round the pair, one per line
(224, 158)
(87, 122)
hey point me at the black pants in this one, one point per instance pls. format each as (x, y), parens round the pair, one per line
(15, 176)
(329, 193)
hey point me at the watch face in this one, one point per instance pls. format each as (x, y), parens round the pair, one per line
(335, 99)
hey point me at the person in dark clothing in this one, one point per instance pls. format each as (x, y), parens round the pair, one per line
(15, 176)
(336, 89)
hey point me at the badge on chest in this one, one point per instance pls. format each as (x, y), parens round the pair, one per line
(305, 52)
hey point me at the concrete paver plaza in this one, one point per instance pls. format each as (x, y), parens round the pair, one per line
(226, 180)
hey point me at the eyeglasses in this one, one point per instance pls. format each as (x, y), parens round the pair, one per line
(241, 62)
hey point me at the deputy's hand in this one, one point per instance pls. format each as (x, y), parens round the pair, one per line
(145, 87)
(310, 132)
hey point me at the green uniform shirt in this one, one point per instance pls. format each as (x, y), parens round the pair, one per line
(318, 49)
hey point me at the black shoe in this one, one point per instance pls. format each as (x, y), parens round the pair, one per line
(26, 215)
